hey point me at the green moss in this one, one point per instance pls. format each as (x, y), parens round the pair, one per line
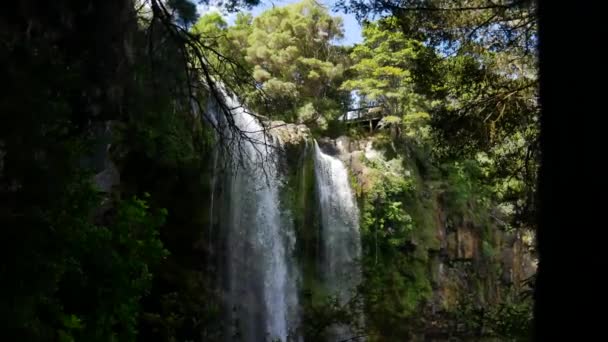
(300, 190)
(398, 228)
(299, 196)
(488, 249)
(354, 184)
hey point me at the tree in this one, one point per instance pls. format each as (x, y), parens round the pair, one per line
(294, 60)
(229, 44)
(184, 11)
(502, 25)
(382, 73)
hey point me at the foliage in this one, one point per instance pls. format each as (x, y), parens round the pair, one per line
(229, 43)
(384, 213)
(321, 316)
(295, 62)
(185, 11)
(383, 68)
(508, 319)
(81, 261)
(499, 25)
(94, 275)
(161, 147)
(490, 113)
(481, 78)
(416, 125)
(396, 280)
(232, 5)
(290, 53)
(462, 185)
(117, 261)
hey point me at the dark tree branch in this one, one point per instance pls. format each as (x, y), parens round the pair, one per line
(199, 69)
(456, 9)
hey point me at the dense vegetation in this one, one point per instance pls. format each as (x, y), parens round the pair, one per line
(104, 164)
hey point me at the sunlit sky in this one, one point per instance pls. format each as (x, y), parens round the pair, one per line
(352, 29)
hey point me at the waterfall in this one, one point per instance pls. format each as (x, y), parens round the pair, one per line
(259, 270)
(211, 205)
(340, 237)
(259, 238)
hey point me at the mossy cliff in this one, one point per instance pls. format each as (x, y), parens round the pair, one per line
(434, 255)
(299, 197)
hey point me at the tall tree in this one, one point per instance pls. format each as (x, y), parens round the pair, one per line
(383, 70)
(294, 59)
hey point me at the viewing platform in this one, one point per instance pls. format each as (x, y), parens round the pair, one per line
(365, 116)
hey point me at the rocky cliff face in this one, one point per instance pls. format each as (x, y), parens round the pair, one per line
(289, 134)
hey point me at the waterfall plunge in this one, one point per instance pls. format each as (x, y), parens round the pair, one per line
(260, 269)
(340, 237)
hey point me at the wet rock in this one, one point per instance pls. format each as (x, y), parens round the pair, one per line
(289, 133)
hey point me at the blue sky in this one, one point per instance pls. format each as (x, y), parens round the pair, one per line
(352, 29)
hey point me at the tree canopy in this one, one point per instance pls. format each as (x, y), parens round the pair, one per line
(291, 54)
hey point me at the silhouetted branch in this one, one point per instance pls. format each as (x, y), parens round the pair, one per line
(456, 9)
(202, 74)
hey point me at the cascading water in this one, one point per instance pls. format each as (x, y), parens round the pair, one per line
(260, 272)
(340, 237)
(261, 278)
(213, 186)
